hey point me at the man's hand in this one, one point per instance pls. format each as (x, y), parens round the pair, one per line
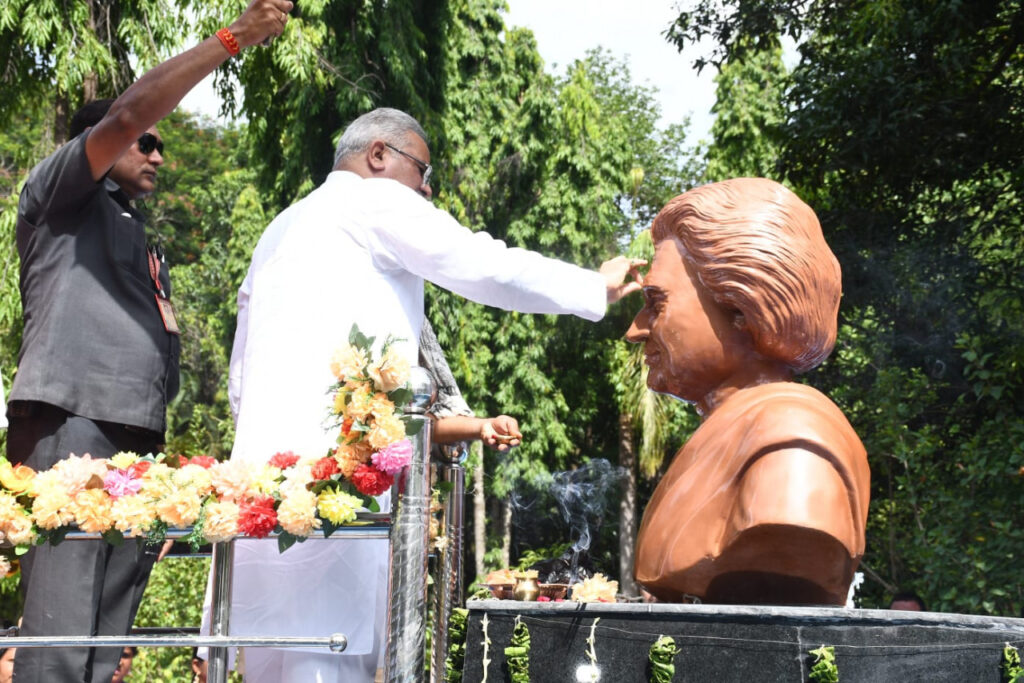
(262, 19)
(622, 277)
(501, 432)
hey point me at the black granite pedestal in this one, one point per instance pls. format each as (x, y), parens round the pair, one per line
(722, 644)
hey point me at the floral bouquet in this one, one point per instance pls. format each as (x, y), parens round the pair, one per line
(129, 495)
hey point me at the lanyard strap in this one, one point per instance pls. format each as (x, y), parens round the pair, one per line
(154, 272)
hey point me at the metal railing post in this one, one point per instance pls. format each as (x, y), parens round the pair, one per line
(410, 531)
(448, 591)
(220, 608)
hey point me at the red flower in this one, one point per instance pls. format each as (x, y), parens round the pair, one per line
(324, 468)
(204, 461)
(370, 481)
(346, 426)
(139, 468)
(284, 460)
(257, 517)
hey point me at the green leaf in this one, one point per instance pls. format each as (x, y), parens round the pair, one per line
(328, 527)
(285, 540)
(401, 396)
(413, 427)
(114, 537)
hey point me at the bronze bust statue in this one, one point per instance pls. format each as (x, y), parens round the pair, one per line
(767, 502)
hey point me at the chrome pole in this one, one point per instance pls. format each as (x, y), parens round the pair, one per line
(220, 608)
(410, 531)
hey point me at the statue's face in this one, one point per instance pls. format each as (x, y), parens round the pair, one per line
(691, 344)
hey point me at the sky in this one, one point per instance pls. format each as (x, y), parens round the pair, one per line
(566, 29)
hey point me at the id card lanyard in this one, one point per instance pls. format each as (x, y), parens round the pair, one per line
(163, 302)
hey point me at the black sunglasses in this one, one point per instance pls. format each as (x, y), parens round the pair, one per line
(148, 142)
(425, 168)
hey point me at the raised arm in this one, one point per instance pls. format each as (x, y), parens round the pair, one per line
(161, 88)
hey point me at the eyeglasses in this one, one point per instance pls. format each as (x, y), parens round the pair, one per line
(425, 168)
(148, 142)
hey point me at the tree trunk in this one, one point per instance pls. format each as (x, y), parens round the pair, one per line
(61, 117)
(627, 507)
(479, 517)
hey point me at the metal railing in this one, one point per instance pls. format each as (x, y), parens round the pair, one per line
(407, 526)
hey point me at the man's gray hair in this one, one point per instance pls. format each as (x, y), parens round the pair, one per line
(384, 123)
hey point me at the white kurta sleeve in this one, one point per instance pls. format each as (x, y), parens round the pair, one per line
(413, 235)
(238, 347)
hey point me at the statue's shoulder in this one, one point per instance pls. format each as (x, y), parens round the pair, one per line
(785, 412)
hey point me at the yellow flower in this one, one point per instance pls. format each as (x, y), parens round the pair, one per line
(221, 521)
(123, 460)
(231, 479)
(265, 478)
(339, 402)
(195, 477)
(596, 588)
(19, 531)
(91, 508)
(133, 515)
(359, 404)
(392, 371)
(9, 508)
(348, 361)
(347, 459)
(381, 406)
(386, 431)
(297, 513)
(51, 510)
(47, 482)
(338, 507)
(180, 509)
(16, 478)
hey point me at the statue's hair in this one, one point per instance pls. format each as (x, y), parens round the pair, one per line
(759, 249)
(380, 124)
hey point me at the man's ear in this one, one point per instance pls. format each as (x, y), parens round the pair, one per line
(375, 154)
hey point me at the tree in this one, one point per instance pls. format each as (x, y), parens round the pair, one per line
(902, 131)
(73, 53)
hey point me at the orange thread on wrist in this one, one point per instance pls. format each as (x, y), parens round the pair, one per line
(228, 41)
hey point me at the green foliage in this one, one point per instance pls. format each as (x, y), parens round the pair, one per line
(824, 669)
(1012, 670)
(517, 654)
(748, 117)
(899, 126)
(456, 659)
(662, 656)
(69, 53)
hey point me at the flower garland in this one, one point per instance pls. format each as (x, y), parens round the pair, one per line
(129, 495)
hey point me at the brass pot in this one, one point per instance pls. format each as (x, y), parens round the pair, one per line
(527, 589)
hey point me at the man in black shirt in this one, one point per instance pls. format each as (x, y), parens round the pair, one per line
(99, 355)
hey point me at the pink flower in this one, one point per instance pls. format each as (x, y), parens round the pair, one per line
(391, 459)
(121, 483)
(204, 461)
(284, 460)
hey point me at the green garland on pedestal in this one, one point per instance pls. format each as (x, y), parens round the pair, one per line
(824, 669)
(517, 654)
(456, 659)
(661, 656)
(1012, 670)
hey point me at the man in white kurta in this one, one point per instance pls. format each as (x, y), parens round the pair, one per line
(356, 250)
